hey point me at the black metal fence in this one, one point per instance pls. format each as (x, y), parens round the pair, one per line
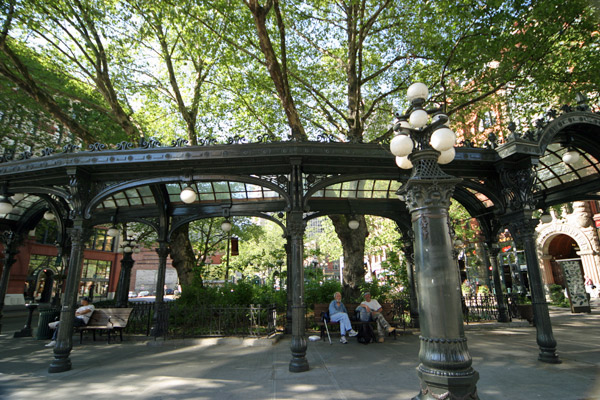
(178, 320)
(485, 307)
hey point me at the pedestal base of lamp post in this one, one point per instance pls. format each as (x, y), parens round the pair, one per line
(61, 363)
(549, 356)
(299, 363)
(459, 385)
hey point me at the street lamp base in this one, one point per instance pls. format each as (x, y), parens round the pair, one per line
(549, 357)
(60, 365)
(435, 387)
(298, 365)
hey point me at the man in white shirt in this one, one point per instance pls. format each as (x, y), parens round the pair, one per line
(370, 310)
(82, 316)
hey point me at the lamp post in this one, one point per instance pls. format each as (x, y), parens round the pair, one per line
(445, 363)
(128, 247)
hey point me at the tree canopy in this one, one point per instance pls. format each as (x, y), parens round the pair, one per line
(116, 70)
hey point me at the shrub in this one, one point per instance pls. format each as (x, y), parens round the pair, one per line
(557, 296)
(320, 292)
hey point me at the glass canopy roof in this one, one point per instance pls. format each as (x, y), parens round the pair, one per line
(208, 192)
(482, 198)
(361, 189)
(552, 171)
(20, 207)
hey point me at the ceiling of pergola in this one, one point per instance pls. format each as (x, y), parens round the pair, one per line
(253, 179)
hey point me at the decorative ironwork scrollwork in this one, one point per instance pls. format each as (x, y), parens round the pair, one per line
(326, 137)
(9, 155)
(46, 152)
(237, 139)
(207, 141)
(26, 155)
(179, 142)
(124, 145)
(149, 144)
(70, 148)
(518, 188)
(266, 138)
(97, 146)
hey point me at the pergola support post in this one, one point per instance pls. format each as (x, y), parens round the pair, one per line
(159, 319)
(122, 295)
(492, 253)
(522, 227)
(409, 254)
(10, 242)
(79, 233)
(299, 363)
(288, 310)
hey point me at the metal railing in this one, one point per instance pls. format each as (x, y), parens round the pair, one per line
(178, 320)
(480, 308)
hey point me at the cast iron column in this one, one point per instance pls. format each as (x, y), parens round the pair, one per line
(445, 370)
(299, 363)
(407, 248)
(64, 343)
(159, 319)
(295, 226)
(122, 295)
(288, 311)
(493, 251)
(9, 240)
(522, 226)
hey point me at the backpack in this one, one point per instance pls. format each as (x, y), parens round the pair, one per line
(365, 334)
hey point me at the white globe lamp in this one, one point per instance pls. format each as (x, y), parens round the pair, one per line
(446, 156)
(404, 162)
(112, 231)
(353, 224)
(570, 157)
(443, 139)
(401, 145)
(226, 226)
(418, 118)
(417, 90)
(188, 195)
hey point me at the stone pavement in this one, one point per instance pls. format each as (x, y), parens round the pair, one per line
(505, 355)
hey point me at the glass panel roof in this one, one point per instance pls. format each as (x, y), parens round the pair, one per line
(361, 189)
(553, 172)
(482, 198)
(207, 192)
(223, 190)
(20, 207)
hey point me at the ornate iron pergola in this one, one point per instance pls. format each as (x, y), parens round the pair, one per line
(500, 185)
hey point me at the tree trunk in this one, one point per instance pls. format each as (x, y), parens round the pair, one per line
(182, 255)
(353, 243)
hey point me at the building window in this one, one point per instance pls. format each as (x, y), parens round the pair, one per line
(94, 278)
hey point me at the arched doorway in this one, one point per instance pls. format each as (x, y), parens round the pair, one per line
(561, 247)
(567, 270)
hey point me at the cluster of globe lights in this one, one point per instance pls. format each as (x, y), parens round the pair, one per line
(408, 127)
(188, 196)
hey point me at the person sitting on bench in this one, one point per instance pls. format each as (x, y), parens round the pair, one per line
(82, 316)
(370, 310)
(338, 313)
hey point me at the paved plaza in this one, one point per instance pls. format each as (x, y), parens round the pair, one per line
(505, 355)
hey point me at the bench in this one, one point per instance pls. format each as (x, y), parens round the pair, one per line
(387, 311)
(109, 320)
